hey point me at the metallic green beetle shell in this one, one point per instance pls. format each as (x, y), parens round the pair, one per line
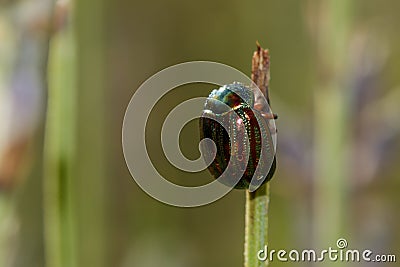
(239, 114)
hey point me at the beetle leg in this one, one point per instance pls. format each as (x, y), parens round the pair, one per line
(269, 116)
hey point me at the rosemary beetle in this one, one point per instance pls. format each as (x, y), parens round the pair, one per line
(248, 135)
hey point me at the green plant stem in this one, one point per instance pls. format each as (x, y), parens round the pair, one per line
(257, 202)
(331, 123)
(59, 153)
(256, 231)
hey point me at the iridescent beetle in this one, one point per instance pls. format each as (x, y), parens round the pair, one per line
(234, 105)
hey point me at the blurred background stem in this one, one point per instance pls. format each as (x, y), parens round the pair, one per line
(331, 125)
(60, 150)
(74, 159)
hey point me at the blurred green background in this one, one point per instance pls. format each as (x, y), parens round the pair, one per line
(68, 70)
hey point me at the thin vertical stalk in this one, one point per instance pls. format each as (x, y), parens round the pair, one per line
(257, 202)
(331, 111)
(59, 153)
(256, 232)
